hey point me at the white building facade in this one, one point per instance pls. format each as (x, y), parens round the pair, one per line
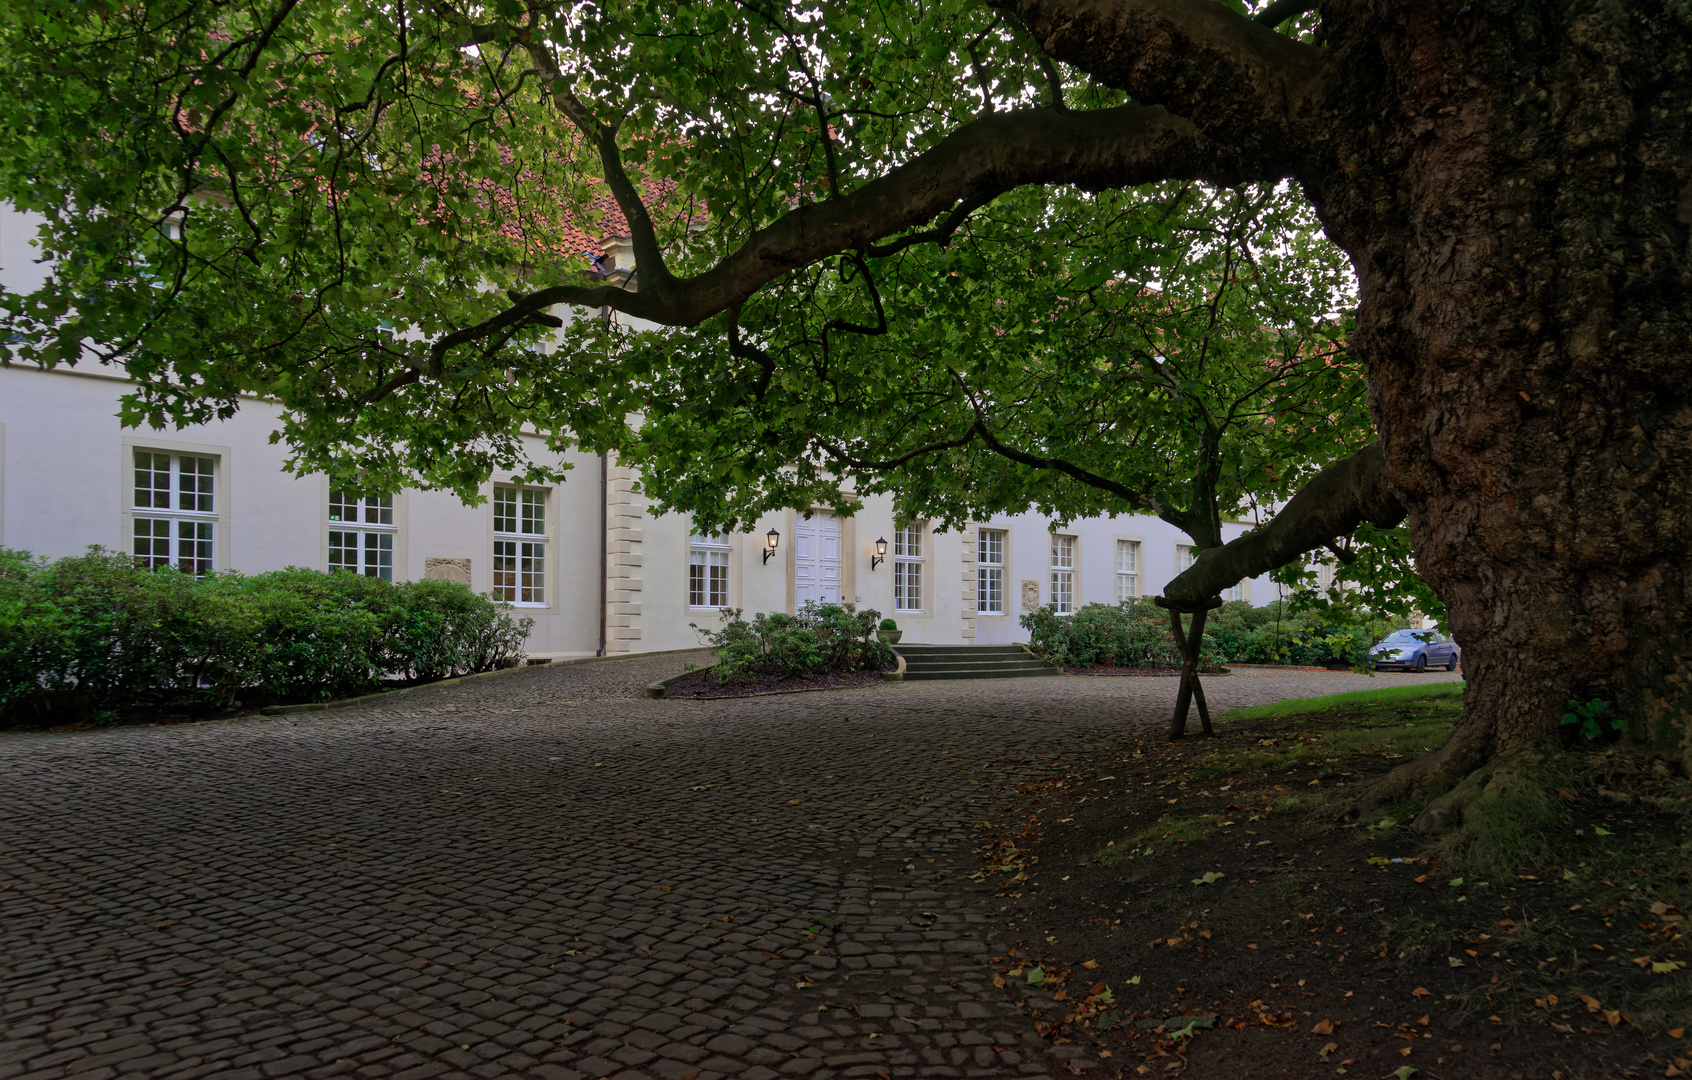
(584, 558)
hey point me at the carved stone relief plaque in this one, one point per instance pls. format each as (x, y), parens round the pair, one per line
(447, 570)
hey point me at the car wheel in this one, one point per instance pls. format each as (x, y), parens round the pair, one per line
(1451, 662)
(1421, 662)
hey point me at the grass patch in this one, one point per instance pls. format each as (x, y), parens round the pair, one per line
(1175, 830)
(1399, 720)
(1386, 695)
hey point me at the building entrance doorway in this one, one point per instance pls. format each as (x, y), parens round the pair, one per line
(816, 558)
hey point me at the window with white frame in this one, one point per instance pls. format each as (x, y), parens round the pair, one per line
(1127, 570)
(708, 571)
(990, 572)
(907, 567)
(1063, 574)
(174, 520)
(361, 534)
(519, 547)
(1186, 555)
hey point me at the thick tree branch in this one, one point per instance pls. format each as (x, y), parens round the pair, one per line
(1282, 10)
(1242, 89)
(1335, 501)
(1103, 149)
(1242, 84)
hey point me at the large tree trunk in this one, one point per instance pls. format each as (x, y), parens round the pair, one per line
(1514, 194)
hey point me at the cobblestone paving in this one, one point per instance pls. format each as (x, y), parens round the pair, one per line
(539, 875)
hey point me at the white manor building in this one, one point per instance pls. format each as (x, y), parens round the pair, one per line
(583, 558)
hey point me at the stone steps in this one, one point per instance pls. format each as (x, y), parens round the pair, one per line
(924, 662)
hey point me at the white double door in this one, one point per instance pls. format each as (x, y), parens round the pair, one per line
(816, 559)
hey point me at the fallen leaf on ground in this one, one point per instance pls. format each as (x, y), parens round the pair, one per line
(1323, 1027)
(1420, 992)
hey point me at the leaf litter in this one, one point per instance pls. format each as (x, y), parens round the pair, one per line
(1295, 937)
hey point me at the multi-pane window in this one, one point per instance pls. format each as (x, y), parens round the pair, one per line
(175, 511)
(519, 550)
(361, 534)
(907, 568)
(990, 572)
(708, 571)
(1063, 574)
(1127, 570)
(1186, 555)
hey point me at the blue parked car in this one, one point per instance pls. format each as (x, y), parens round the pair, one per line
(1414, 650)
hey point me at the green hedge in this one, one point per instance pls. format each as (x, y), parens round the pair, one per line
(1136, 633)
(94, 638)
(821, 639)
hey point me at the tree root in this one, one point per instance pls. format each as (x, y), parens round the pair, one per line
(1438, 776)
(1498, 778)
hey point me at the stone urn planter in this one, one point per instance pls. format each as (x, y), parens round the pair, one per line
(890, 637)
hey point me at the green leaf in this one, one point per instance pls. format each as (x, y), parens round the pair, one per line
(1210, 878)
(1036, 977)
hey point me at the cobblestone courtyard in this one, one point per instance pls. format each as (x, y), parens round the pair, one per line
(540, 875)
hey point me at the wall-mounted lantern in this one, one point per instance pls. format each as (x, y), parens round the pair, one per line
(772, 540)
(880, 555)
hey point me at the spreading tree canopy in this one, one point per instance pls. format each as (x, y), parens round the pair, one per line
(380, 204)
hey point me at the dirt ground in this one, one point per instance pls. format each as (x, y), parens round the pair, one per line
(1200, 908)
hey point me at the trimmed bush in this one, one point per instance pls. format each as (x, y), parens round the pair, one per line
(822, 639)
(94, 638)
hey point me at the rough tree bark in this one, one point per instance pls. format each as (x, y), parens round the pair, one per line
(1511, 181)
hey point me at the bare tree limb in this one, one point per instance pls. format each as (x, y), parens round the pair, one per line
(940, 234)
